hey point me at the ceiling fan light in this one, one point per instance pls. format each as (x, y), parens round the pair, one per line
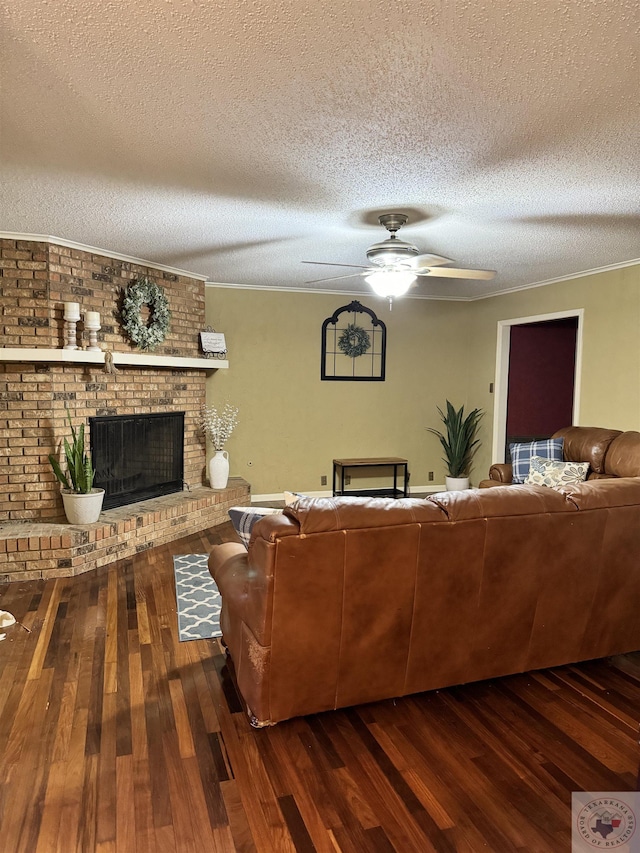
(390, 283)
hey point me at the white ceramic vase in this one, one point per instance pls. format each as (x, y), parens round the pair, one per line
(456, 484)
(83, 509)
(219, 469)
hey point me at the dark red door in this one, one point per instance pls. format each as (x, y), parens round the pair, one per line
(542, 362)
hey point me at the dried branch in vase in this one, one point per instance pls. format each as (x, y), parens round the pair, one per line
(219, 424)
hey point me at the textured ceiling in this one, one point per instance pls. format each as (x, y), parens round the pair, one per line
(237, 139)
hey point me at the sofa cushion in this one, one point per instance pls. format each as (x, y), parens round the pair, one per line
(549, 472)
(500, 502)
(587, 444)
(623, 455)
(600, 494)
(521, 453)
(244, 517)
(321, 515)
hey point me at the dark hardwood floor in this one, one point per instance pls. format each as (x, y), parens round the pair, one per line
(114, 736)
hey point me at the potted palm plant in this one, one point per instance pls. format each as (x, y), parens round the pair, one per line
(459, 443)
(82, 502)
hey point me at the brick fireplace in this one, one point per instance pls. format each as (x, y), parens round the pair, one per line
(36, 278)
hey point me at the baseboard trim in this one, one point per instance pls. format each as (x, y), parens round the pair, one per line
(432, 488)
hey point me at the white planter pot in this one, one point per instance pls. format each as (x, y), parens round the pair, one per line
(83, 509)
(456, 484)
(219, 469)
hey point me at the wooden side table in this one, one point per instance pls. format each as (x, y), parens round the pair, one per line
(400, 488)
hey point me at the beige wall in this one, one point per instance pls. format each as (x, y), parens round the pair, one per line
(610, 387)
(292, 425)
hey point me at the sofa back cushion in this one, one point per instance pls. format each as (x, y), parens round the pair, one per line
(604, 494)
(501, 502)
(623, 456)
(321, 515)
(587, 444)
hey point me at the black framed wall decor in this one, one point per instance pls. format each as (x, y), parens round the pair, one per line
(354, 345)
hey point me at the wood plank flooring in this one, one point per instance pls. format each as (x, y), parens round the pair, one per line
(115, 737)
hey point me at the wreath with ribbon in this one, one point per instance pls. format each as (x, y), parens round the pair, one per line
(354, 341)
(145, 336)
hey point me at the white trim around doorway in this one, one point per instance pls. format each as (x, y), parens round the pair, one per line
(502, 374)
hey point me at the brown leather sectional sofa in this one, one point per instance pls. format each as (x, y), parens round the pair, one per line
(341, 601)
(609, 452)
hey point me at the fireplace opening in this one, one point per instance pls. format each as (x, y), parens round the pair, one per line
(137, 457)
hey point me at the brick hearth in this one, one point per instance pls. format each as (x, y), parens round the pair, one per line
(29, 551)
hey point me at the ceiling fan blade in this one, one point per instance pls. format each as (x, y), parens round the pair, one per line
(335, 277)
(450, 272)
(326, 264)
(428, 261)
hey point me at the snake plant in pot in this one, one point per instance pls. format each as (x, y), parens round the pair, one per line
(459, 443)
(82, 502)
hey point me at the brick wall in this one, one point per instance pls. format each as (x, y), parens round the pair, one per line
(35, 280)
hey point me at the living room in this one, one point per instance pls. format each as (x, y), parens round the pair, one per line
(213, 151)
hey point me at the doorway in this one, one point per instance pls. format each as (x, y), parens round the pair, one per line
(537, 378)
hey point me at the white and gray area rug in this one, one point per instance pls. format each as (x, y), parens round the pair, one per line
(198, 598)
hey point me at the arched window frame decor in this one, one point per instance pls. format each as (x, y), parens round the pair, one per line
(369, 345)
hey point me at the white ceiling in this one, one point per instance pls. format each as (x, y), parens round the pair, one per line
(237, 139)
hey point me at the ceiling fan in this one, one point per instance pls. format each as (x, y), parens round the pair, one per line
(395, 264)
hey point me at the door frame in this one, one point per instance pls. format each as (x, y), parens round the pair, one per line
(502, 374)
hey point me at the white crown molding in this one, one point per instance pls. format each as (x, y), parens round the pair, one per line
(328, 291)
(570, 277)
(95, 250)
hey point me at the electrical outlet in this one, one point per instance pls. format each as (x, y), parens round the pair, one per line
(347, 480)
(323, 481)
(431, 476)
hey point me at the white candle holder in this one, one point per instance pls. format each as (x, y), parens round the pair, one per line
(71, 317)
(92, 325)
(70, 334)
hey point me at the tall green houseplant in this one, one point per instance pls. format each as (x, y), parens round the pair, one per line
(459, 440)
(79, 475)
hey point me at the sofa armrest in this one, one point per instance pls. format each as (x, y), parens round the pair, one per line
(246, 588)
(502, 472)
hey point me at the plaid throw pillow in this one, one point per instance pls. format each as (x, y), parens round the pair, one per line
(244, 517)
(550, 448)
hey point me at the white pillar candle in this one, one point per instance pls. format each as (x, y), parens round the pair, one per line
(72, 311)
(92, 318)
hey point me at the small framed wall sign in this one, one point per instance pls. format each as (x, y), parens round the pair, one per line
(213, 343)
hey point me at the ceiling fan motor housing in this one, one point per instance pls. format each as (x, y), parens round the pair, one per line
(392, 250)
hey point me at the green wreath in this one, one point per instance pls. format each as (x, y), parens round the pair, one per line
(145, 336)
(354, 341)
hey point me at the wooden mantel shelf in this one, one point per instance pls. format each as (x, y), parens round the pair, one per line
(32, 354)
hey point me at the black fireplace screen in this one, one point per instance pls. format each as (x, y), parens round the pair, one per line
(137, 457)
